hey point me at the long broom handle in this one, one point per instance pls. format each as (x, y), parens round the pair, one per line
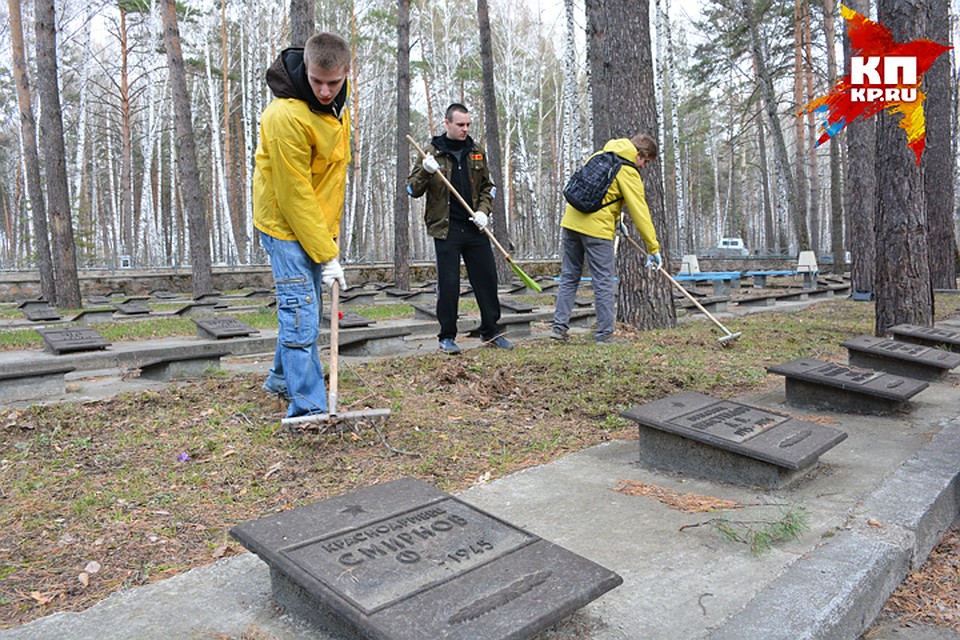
(679, 286)
(462, 201)
(334, 348)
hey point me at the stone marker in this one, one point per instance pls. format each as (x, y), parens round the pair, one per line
(36, 303)
(222, 328)
(517, 306)
(193, 309)
(348, 320)
(72, 339)
(815, 384)
(42, 313)
(93, 316)
(162, 294)
(901, 358)
(98, 300)
(406, 561)
(930, 336)
(728, 441)
(132, 308)
(423, 312)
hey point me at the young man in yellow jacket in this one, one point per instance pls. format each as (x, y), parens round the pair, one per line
(299, 186)
(590, 236)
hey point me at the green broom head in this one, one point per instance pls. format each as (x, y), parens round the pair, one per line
(528, 282)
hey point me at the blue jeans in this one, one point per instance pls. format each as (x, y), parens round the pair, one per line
(601, 260)
(296, 363)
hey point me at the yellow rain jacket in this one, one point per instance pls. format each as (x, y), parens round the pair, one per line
(299, 184)
(627, 185)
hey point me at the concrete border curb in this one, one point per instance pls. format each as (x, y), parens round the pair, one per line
(837, 590)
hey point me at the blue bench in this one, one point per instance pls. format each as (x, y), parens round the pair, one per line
(722, 281)
(760, 277)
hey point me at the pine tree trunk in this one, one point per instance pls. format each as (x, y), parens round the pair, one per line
(904, 289)
(939, 161)
(491, 128)
(836, 187)
(64, 253)
(401, 203)
(28, 131)
(301, 22)
(619, 55)
(860, 190)
(189, 175)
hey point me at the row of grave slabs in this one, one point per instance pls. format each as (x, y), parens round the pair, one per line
(405, 561)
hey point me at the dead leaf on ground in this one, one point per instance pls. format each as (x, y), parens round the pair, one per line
(687, 502)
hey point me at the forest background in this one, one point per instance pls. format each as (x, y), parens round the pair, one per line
(721, 172)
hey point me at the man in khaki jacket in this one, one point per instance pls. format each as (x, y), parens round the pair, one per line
(299, 185)
(590, 236)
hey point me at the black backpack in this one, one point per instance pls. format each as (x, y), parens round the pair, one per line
(588, 186)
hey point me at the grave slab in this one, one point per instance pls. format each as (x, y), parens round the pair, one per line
(815, 384)
(196, 310)
(516, 306)
(929, 336)
(729, 441)
(162, 294)
(406, 561)
(348, 320)
(37, 303)
(181, 367)
(35, 382)
(358, 297)
(72, 339)
(423, 312)
(223, 328)
(132, 308)
(41, 313)
(901, 358)
(98, 300)
(93, 316)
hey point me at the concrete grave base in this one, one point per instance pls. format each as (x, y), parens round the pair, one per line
(664, 451)
(40, 383)
(808, 395)
(179, 368)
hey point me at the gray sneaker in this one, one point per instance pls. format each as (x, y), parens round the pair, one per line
(559, 334)
(449, 346)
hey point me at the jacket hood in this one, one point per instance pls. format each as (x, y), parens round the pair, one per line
(623, 148)
(287, 78)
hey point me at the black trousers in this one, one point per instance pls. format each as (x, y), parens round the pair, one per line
(466, 241)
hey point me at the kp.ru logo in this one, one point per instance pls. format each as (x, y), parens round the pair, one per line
(899, 73)
(883, 75)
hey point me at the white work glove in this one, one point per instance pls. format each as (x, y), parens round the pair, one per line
(654, 261)
(480, 219)
(430, 164)
(331, 272)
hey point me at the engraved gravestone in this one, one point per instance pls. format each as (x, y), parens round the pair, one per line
(348, 320)
(930, 336)
(901, 358)
(406, 561)
(72, 339)
(728, 441)
(41, 313)
(222, 328)
(815, 384)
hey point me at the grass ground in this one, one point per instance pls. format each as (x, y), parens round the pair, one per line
(115, 493)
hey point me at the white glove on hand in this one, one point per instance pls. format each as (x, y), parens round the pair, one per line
(654, 261)
(333, 272)
(480, 219)
(430, 164)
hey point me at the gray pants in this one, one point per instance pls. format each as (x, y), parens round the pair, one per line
(600, 258)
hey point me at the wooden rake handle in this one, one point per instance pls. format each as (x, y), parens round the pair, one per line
(462, 201)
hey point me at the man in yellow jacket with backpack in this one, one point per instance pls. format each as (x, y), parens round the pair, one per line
(587, 235)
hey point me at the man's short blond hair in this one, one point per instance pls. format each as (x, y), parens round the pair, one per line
(327, 51)
(646, 146)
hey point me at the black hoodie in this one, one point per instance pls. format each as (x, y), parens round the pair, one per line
(287, 78)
